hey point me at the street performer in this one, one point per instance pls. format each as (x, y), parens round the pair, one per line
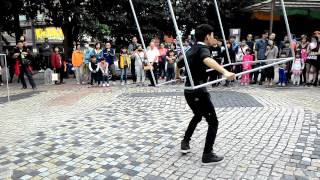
(199, 100)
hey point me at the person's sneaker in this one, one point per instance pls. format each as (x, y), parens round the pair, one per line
(1, 84)
(260, 83)
(78, 83)
(108, 85)
(283, 84)
(104, 85)
(185, 147)
(211, 158)
(122, 83)
(41, 71)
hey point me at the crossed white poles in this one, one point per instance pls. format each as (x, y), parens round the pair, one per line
(280, 61)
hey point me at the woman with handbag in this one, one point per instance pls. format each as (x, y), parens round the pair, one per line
(139, 63)
(57, 65)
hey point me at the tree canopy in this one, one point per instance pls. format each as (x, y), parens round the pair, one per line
(101, 18)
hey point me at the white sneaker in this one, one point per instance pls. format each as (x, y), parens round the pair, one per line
(41, 71)
(114, 83)
(104, 85)
(108, 85)
(122, 83)
(1, 84)
(78, 83)
(283, 84)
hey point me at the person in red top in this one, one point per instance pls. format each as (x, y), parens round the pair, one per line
(57, 64)
(162, 61)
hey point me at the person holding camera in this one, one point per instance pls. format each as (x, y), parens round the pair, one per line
(23, 57)
(109, 55)
(139, 63)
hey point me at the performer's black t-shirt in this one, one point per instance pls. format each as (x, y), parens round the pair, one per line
(195, 57)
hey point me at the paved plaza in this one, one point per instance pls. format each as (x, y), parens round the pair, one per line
(129, 132)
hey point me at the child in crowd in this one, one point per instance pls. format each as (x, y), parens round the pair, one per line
(284, 53)
(171, 60)
(297, 67)
(247, 65)
(124, 64)
(94, 69)
(104, 72)
(1, 82)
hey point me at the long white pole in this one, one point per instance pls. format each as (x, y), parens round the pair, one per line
(7, 75)
(181, 43)
(288, 27)
(250, 62)
(222, 31)
(141, 36)
(239, 74)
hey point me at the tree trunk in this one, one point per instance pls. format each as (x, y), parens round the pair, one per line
(17, 29)
(68, 40)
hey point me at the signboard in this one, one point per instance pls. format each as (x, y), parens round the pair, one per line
(236, 33)
(52, 33)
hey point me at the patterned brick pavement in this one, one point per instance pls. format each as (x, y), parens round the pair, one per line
(72, 132)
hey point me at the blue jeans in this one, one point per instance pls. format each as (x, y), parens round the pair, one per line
(282, 76)
(124, 74)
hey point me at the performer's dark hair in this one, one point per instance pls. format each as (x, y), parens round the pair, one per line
(202, 31)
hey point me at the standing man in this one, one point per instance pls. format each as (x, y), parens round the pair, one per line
(260, 54)
(199, 100)
(85, 67)
(109, 55)
(23, 57)
(216, 54)
(77, 61)
(132, 47)
(250, 42)
(46, 54)
(153, 58)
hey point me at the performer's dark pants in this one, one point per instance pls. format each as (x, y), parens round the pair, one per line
(201, 105)
(25, 71)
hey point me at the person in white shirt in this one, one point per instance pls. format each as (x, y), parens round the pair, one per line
(153, 54)
(94, 69)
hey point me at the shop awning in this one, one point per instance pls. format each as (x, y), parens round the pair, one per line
(310, 8)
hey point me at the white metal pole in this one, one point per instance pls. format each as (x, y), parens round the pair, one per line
(7, 75)
(239, 74)
(252, 62)
(181, 43)
(141, 36)
(222, 31)
(288, 27)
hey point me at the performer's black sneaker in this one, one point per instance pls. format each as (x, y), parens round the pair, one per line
(211, 158)
(185, 147)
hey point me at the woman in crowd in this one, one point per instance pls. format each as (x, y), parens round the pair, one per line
(140, 62)
(57, 64)
(272, 53)
(311, 62)
(97, 51)
(303, 50)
